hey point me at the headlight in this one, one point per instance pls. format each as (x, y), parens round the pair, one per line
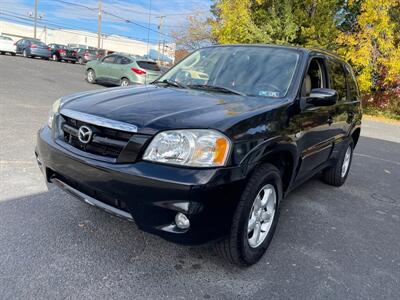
(196, 148)
(54, 109)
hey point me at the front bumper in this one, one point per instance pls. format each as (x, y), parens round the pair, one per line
(152, 194)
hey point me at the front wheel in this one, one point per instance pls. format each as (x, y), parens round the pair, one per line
(255, 219)
(337, 174)
(25, 53)
(91, 76)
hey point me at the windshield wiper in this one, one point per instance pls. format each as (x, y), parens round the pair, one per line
(215, 88)
(171, 83)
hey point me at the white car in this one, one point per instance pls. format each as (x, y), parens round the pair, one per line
(7, 45)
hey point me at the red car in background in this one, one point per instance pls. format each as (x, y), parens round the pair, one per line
(62, 53)
(84, 55)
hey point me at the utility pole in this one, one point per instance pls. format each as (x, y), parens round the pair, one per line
(99, 26)
(163, 47)
(160, 25)
(35, 18)
(45, 34)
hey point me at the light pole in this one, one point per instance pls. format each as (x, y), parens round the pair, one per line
(99, 26)
(35, 18)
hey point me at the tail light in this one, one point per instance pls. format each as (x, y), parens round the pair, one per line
(32, 46)
(62, 51)
(138, 71)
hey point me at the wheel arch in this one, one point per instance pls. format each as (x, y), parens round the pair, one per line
(282, 154)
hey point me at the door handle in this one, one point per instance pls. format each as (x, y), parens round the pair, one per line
(330, 120)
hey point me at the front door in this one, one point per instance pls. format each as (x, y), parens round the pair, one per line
(105, 68)
(316, 135)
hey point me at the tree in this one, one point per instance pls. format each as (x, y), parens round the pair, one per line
(373, 49)
(234, 23)
(196, 33)
(317, 21)
(307, 23)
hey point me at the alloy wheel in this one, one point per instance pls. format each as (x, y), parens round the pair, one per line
(346, 162)
(261, 216)
(90, 76)
(124, 82)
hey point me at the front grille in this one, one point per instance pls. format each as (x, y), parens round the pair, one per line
(104, 142)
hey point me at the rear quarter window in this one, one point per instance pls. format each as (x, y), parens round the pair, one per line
(352, 84)
(337, 78)
(148, 65)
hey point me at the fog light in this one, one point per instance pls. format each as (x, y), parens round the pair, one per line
(182, 221)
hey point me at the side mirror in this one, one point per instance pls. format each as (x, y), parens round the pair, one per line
(322, 97)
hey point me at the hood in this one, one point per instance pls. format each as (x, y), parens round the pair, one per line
(154, 108)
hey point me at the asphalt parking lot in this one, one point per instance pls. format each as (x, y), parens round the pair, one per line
(331, 243)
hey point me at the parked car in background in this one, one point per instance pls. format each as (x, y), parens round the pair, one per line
(33, 48)
(122, 70)
(100, 53)
(84, 55)
(62, 53)
(7, 45)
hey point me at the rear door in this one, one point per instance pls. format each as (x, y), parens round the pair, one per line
(151, 68)
(20, 46)
(341, 119)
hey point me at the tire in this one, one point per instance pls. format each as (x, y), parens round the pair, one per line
(91, 76)
(337, 174)
(13, 54)
(54, 57)
(73, 61)
(125, 82)
(2, 53)
(80, 60)
(25, 54)
(238, 247)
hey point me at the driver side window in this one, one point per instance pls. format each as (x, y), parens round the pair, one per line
(109, 59)
(315, 77)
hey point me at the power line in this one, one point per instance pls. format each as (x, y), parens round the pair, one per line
(60, 27)
(112, 15)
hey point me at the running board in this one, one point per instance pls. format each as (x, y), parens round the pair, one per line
(89, 200)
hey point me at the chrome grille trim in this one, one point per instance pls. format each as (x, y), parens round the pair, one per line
(99, 121)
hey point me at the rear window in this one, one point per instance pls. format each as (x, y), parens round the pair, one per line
(39, 43)
(148, 65)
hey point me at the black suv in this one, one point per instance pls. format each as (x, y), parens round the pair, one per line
(208, 151)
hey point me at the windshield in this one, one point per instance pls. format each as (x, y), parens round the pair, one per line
(253, 71)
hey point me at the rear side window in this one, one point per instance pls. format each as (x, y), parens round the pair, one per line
(148, 65)
(122, 60)
(337, 79)
(352, 84)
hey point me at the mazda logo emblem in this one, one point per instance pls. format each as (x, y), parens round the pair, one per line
(85, 134)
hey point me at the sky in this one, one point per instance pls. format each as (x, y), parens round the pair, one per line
(123, 17)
